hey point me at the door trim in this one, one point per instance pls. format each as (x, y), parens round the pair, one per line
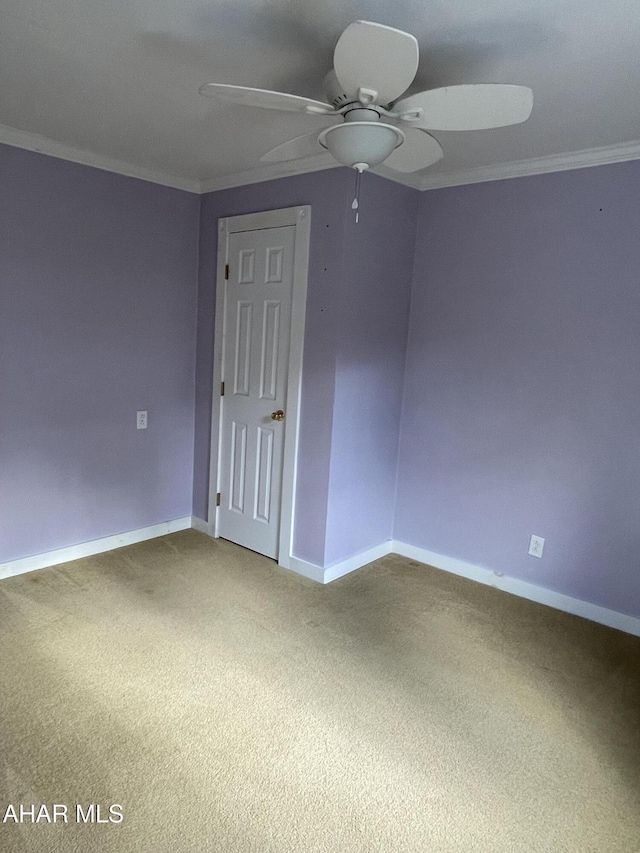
(300, 217)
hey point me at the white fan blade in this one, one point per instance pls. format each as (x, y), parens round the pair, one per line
(376, 57)
(264, 98)
(418, 151)
(478, 106)
(295, 149)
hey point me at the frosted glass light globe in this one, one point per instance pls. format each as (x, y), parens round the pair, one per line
(361, 142)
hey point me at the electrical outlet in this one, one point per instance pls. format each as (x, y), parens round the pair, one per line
(141, 420)
(536, 546)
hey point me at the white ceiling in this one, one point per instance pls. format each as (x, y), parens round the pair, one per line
(115, 82)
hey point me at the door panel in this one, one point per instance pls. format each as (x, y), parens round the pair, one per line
(242, 355)
(270, 341)
(261, 510)
(257, 326)
(237, 481)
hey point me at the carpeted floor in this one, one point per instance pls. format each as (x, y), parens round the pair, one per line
(228, 705)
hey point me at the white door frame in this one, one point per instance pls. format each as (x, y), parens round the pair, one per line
(301, 218)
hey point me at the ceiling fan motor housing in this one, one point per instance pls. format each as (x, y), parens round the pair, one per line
(338, 98)
(333, 90)
(360, 113)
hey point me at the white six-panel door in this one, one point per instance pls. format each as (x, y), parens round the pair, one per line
(257, 329)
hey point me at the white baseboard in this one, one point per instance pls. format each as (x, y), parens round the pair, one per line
(307, 570)
(88, 549)
(200, 525)
(338, 570)
(523, 589)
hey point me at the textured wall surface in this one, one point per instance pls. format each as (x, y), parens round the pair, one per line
(97, 320)
(521, 404)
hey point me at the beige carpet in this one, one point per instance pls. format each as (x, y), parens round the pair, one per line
(228, 705)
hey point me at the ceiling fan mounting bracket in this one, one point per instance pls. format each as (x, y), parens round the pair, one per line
(410, 115)
(313, 110)
(367, 96)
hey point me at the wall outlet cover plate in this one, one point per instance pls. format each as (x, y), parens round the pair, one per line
(536, 546)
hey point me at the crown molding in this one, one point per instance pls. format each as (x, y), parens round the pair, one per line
(412, 180)
(265, 173)
(535, 166)
(433, 180)
(430, 181)
(44, 145)
(297, 167)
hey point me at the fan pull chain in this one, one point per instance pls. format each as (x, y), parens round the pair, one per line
(355, 204)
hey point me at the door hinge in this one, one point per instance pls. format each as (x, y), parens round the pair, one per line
(226, 272)
(222, 389)
(218, 499)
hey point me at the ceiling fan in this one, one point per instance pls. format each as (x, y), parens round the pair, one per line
(373, 66)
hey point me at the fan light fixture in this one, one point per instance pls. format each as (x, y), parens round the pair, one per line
(361, 144)
(373, 65)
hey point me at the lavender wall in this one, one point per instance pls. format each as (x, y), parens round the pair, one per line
(355, 342)
(521, 408)
(327, 193)
(519, 413)
(97, 319)
(372, 323)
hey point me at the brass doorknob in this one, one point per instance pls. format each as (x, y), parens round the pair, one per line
(277, 416)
